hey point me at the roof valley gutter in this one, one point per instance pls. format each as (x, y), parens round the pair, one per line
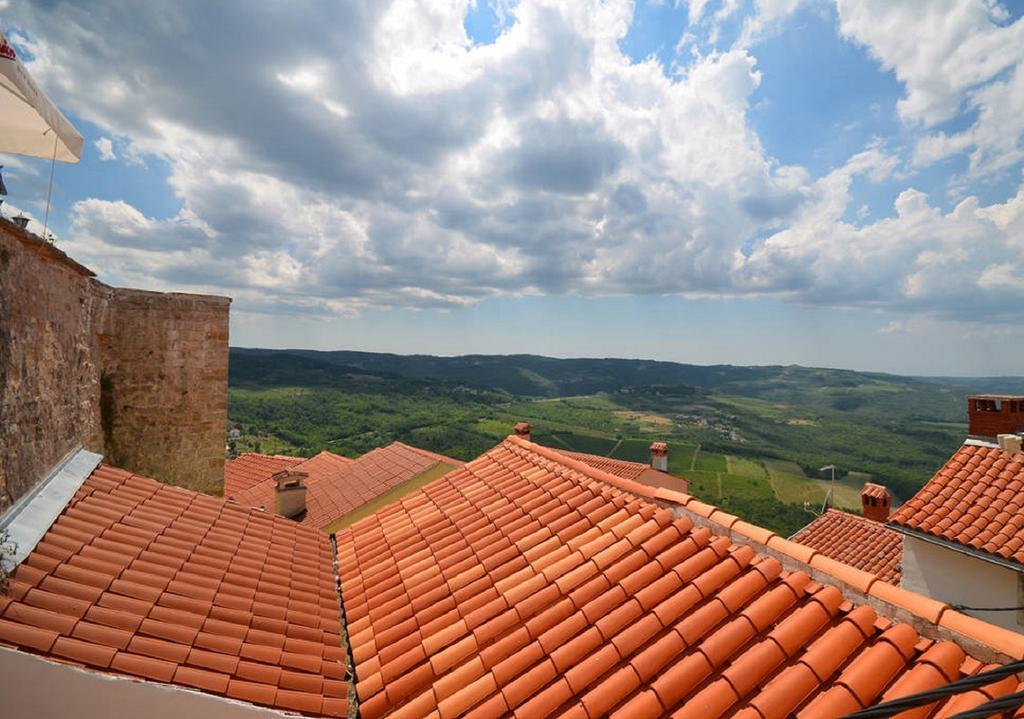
(30, 518)
(353, 695)
(954, 547)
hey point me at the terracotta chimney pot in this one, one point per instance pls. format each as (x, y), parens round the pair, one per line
(876, 502)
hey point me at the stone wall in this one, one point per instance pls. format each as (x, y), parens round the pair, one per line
(140, 377)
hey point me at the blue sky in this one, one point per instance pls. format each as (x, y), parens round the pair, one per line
(720, 181)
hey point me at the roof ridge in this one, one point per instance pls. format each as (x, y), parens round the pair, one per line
(855, 581)
(424, 452)
(606, 458)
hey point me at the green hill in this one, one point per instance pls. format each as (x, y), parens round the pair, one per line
(750, 439)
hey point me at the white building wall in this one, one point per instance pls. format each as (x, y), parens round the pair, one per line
(34, 688)
(957, 578)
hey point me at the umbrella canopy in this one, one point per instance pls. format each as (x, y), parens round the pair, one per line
(29, 122)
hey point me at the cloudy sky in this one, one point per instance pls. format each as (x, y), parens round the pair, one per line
(742, 181)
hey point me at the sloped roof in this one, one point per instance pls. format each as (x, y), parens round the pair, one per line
(530, 584)
(857, 541)
(618, 467)
(976, 500)
(251, 468)
(335, 488)
(635, 471)
(143, 579)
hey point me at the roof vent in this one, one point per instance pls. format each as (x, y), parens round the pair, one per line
(876, 502)
(523, 429)
(21, 221)
(659, 456)
(290, 493)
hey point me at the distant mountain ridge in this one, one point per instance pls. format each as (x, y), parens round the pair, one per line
(539, 376)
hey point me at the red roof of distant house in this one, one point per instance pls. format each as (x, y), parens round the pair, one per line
(618, 467)
(335, 487)
(636, 471)
(857, 541)
(157, 582)
(530, 584)
(975, 500)
(250, 468)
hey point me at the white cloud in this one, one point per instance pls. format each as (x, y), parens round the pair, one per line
(331, 158)
(954, 57)
(105, 148)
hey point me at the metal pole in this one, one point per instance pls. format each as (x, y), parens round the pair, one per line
(833, 485)
(49, 190)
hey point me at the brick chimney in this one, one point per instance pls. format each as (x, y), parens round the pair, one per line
(991, 415)
(523, 429)
(290, 493)
(876, 502)
(659, 456)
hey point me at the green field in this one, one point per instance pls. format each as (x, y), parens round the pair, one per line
(749, 439)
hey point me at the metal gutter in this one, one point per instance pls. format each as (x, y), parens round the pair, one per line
(30, 518)
(956, 547)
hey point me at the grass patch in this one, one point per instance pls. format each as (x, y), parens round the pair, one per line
(709, 462)
(780, 466)
(745, 467)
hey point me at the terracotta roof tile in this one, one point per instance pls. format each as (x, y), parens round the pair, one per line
(142, 590)
(248, 469)
(630, 612)
(859, 542)
(975, 500)
(337, 485)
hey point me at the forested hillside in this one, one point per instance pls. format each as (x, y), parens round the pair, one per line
(750, 439)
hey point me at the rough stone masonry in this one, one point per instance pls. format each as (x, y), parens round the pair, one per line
(140, 377)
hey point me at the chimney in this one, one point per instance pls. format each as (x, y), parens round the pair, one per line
(523, 429)
(991, 415)
(290, 493)
(1010, 443)
(659, 456)
(876, 502)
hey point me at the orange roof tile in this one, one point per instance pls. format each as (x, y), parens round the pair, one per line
(335, 488)
(250, 468)
(857, 541)
(975, 500)
(162, 583)
(877, 491)
(529, 584)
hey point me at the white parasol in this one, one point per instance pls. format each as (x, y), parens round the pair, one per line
(29, 123)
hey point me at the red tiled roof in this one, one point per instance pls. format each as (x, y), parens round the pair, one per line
(976, 500)
(250, 468)
(529, 584)
(335, 488)
(634, 471)
(862, 543)
(143, 579)
(618, 467)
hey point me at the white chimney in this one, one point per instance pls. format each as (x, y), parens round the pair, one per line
(1010, 443)
(659, 456)
(290, 493)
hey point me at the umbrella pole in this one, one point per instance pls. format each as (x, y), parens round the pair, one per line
(49, 190)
